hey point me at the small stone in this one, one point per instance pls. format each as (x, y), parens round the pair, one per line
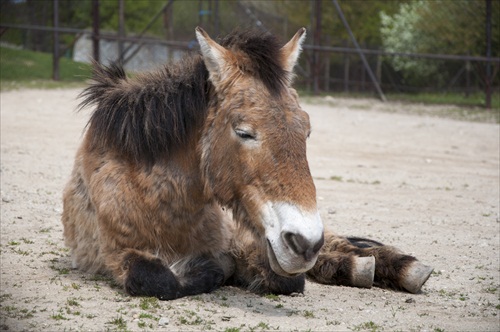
(163, 321)
(410, 300)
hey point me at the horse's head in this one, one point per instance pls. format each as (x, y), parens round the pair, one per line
(254, 146)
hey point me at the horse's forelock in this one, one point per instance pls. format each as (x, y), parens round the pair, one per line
(263, 50)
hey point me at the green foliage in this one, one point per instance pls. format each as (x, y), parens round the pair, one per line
(442, 27)
(29, 65)
(359, 14)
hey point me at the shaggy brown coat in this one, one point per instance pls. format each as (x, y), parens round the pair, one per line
(176, 167)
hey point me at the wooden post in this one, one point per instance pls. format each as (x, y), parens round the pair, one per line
(346, 71)
(488, 54)
(55, 55)
(121, 30)
(378, 71)
(216, 19)
(467, 78)
(317, 38)
(169, 29)
(95, 29)
(327, 67)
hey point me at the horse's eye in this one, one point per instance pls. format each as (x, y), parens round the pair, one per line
(244, 134)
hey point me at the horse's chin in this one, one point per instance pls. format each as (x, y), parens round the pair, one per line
(275, 265)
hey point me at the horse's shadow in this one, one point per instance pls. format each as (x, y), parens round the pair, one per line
(224, 297)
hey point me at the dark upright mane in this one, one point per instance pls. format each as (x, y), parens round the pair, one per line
(263, 50)
(147, 117)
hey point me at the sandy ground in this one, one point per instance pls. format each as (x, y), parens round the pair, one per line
(427, 185)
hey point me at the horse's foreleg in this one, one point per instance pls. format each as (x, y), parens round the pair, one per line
(348, 261)
(343, 269)
(143, 274)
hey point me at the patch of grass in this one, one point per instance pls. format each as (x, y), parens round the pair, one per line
(27, 241)
(4, 297)
(15, 312)
(190, 320)
(148, 303)
(491, 289)
(272, 297)
(369, 326)
(21, 252)
(308, 314)
(60, 270)
(263, 326)
(336, 178)
(232, 329)
(23, 68)
(119, 322)
(73, 302)
(143, 315)
(58, 316)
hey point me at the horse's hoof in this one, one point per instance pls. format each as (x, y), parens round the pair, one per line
(363, 271)
(416, 276)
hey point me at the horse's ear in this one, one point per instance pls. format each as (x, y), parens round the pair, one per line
(214, 55)
(291, 51)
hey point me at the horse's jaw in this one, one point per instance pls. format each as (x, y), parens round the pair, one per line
(294, 237)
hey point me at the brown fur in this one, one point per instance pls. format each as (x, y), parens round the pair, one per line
(164, 153)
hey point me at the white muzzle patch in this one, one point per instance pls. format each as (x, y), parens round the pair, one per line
(294, 236)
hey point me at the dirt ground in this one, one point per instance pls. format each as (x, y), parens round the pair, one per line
(425, 184)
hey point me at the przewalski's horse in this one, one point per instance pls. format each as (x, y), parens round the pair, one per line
(196, 176)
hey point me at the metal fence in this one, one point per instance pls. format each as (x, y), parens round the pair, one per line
(325, 67)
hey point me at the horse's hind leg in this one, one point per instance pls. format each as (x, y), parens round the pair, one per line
(146, 275)
(349, 261)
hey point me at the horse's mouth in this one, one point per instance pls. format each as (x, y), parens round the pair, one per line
(275, 265)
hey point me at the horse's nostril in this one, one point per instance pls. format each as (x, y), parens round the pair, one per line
(317, 247)
(296, 242)
(301, 246)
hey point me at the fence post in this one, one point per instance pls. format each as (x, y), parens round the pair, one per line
(95, 29)
(488, 54)
(121, 30)
(55, 55)
(378, 71)
(317, 41)
(347, 61)
(327, 66)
